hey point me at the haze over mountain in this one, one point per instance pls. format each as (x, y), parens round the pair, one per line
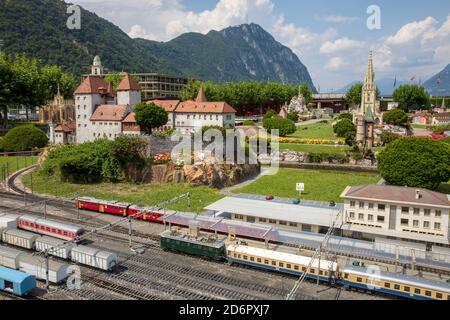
(439, 84)
(242, 53)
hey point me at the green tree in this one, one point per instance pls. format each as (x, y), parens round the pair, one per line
(285, 126)
(410, 97)
(397, 117)
(344, 127)
(415, 162)
(51, 77)
(150, 116)
(24, 138)
(387, 137)
(6, 90)
(293, 116)
(354, 94)
(306, 92)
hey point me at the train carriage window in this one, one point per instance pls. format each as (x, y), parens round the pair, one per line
(274, 263)
(289, 266)
(281, 264)
(252, 259)
(448, 297)
(266, 261)
(258, 260)
(428, 293)
(407, 289)
(321, 272)
(303, 269)
(312, 271)
(360, 280)
(387, 285)
(438, 295)
(345, 275)
(417, 291)
(296, 268)
(245, 257)
(396, 287)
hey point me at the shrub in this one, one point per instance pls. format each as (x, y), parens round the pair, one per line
(269, 114)
(396, 117)
(415, 162)
(249, 123)
(285, 126)
(293, 116)
(388, 137)
(344, 127)
(24, 138)
(343, 116)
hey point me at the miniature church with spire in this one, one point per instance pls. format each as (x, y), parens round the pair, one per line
(367, 115)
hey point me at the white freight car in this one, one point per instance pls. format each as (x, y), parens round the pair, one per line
(95, 258)
(36, 266)
(9, 257)
(8, 221)
(56, 247)
(19, 238)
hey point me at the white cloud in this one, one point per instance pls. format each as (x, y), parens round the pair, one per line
(336, 64)
(341, 19)
(342, 44)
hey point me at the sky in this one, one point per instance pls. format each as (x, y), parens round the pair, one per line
(331, 37)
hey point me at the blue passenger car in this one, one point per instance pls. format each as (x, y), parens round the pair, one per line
(16, 282)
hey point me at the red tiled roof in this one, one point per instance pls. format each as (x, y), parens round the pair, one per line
(130, 118)
(107, 112)
(128, 84)
(168, 105)
(92, 84)
(67, 127)
(397, 194)
(204, 107)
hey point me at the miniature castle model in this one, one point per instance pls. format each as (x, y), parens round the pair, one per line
(58, 110)
(102, 113)
(99, 110)
(367, 115)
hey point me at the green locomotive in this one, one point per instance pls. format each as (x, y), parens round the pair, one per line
(197, 246)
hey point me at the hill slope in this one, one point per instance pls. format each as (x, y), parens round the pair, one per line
(439, 85)
(247, 52)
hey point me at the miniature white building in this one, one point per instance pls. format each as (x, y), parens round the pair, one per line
(397, 212)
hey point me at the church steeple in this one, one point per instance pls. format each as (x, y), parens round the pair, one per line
(369, 82)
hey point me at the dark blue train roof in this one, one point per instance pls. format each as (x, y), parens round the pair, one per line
(13, 275)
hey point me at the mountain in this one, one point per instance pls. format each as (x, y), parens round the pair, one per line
(242, 53)
(384, 85)
(439, 85)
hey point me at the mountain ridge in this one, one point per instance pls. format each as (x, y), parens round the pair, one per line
(240, 53)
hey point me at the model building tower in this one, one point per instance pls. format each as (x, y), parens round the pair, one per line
(366, 116)
(128, 92)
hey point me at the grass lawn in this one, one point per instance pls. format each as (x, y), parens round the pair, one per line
(319, 185)
(315, 131)
(420, 126)
(314, 148)
(137, 194)
(16, 163)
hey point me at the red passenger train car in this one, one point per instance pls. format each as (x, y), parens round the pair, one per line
(144, 213)
(50, 228)
(102, 206)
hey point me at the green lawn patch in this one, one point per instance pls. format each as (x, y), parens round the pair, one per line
(320, 185)
(315, 131)
(314, 148)
(16, 163)
(148, 195)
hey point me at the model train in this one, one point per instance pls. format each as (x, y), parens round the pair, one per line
(55, 244)
(119, 208)
(327, 271)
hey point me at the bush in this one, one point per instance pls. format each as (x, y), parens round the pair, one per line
(415, 162)
(397, 117)
(285, 126)
(24, 138)
(388, 137)
(101, 160)
(1, 144)
(293, 116)
(327, 157)
(269, 114)
(249, 123)
(344, 128)
(344, 116)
